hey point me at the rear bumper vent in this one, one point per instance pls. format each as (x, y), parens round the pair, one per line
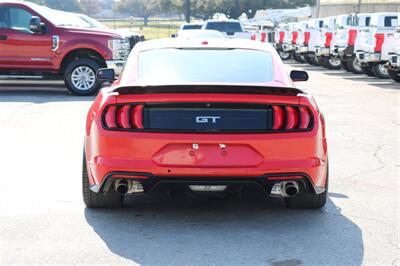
(207, 118)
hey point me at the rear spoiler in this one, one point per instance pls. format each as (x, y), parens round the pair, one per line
(235, 89)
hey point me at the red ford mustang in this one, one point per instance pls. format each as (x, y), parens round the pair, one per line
(214, 116)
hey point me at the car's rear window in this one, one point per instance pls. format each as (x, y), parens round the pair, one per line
(191, 27)
(171, 65)
(224, 26)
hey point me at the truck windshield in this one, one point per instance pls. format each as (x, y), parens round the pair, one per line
(170, 65)
(224, 26)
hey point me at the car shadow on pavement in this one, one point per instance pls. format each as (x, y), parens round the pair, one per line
(41, 96)
(249, 230)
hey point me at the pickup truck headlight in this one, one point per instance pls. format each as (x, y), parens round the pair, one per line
(120, 48)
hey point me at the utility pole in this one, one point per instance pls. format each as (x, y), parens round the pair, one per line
(317, 7)
(359, 6)
(187, 10)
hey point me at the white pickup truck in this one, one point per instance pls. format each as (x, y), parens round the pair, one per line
(376, 43)
(283, 40)
(298, 40)
(310, 41)
(323, 47)
(347, 41)
(394, 58)
(229, 28)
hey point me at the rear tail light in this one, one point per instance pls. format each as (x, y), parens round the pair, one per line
(295, 34)
(123, 117)
(307, 36)
(352, 37)
(291, 118)
(379, 39)
(281, 36)
(328, 39)
(263, 36)
(253, 37)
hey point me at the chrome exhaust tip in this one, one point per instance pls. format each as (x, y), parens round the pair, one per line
(128, 187)
(285, 189)
(121, 186)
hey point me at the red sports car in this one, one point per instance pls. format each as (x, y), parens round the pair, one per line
(214, 116)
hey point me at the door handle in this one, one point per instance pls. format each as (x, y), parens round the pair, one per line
(3, 37)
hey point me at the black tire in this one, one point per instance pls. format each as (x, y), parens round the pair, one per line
(379, 71)
(321, 61)
(91, 66)
(367, 70)
(284, 55)
(395, 75)
(298, 57)
(354, 66)
(308, 200)
(91, 199)
(331, 64)
(344, 65)
(312, 60)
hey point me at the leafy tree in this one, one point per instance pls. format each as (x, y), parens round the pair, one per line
(143, 8)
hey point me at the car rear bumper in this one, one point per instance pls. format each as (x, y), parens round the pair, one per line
(322, 51)
(366, 57)
(164, 156)
(394, 61)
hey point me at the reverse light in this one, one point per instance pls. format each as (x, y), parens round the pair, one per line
(123, 117)
(379, 39)
(352, 37)
(328, 39)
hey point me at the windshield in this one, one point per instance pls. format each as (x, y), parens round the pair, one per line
(191, 27)
(205, 66)
(224, 26)
(60, 18)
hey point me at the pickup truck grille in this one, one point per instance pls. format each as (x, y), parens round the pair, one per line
(207, 118)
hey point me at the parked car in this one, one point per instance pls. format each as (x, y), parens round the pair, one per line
(323, 47)
(347, 42)
(394, 58)
(310, 41)
(230, 28)
(177, 118)
(376, 43)
(36, 42)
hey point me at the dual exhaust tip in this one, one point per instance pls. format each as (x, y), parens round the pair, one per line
(285, 189)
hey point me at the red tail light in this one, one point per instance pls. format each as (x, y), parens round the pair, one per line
(379, 39)
(328, 39)
(291, 118)
(281, 36)
(253, 37)
(123, 117)
(352, 37)
(263, 36)
(295, 34)
(307, 36)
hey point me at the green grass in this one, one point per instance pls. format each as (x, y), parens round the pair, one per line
(155, 29)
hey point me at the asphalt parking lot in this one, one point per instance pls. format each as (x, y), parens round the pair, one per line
(43, 219)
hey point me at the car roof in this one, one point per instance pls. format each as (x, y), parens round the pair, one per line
(203, 43)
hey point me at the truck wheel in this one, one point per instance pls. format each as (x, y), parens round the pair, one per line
(395, 75)
(344, 65)
(367, 70)
(80, 77)
(298, 57)
(380, 71)
(308, 200)
(284, 55)
(321, 61)
(91, 199)
(312, 60)
(332, 63)
(354, 65)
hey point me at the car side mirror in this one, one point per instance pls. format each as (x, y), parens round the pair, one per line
(36, 25)
(106, 74)
(298, 75)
